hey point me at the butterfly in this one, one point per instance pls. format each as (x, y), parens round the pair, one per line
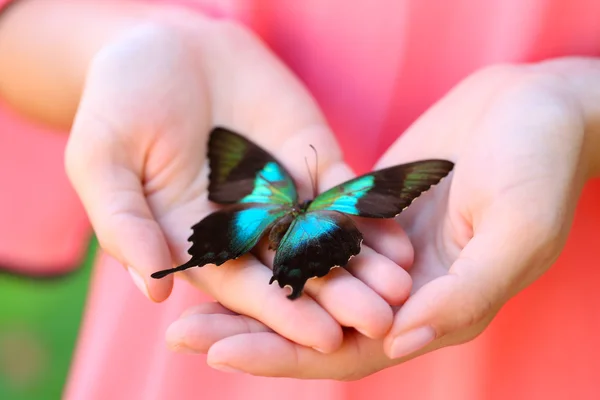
(309, 237)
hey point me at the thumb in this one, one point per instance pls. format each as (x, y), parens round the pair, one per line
(505, 255)
(106, 173)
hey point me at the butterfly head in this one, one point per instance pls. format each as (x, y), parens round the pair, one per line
(302, 207)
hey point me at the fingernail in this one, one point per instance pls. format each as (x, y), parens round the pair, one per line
(195, 310)
(412, 341)
(176, 336)
(139, 281)
(363, 332)
(319, 350)
(183, 348)
(225, 368)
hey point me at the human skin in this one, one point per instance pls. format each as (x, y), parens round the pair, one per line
(513, 131)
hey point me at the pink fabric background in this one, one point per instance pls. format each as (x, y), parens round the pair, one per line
(373, 67)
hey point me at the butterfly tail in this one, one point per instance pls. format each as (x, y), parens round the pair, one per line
(193, 262)
(296, 291)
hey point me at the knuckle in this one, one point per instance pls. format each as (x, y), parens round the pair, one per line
(543, 87)
(549, 234)
(352, 375)
(546, 230)
(481, 309)
(549, 96)
(471, 304)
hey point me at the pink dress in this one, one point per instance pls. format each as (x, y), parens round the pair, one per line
(373, 67)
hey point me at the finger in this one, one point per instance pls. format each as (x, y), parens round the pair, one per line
(383, 276)
(387, 238)
(490, 269)
(349, 300)
(201, 327)
(207, 308)
(267, 354)
(107, 177)
(242, 286)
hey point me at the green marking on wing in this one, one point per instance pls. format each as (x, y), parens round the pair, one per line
(272, 185)
(344, 197)
(233, 150)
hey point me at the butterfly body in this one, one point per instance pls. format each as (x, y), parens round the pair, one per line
(309, 237)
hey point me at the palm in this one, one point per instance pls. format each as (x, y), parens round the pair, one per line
(427, 224)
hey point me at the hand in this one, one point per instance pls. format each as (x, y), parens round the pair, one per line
(516, 134)
(136, 156)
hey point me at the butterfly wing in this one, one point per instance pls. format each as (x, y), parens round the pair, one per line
(258, 189)
(228, 234)
(314, 243)
(242, 172)
(383, 193)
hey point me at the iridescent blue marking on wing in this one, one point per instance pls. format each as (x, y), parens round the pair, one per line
(314, 243)
(344, 197)
(306, 227)
(272, 185)
(249, 224)
(228, 234)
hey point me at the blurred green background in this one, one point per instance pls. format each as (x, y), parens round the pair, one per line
(39, 324)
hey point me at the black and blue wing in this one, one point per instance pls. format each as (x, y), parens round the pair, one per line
(314, 243)
(228, 234)
(383, 193)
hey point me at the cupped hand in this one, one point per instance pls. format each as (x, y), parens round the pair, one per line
(136, 157)
(497, 223)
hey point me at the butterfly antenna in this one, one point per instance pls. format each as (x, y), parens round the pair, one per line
(316, 186)
(314, 182)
